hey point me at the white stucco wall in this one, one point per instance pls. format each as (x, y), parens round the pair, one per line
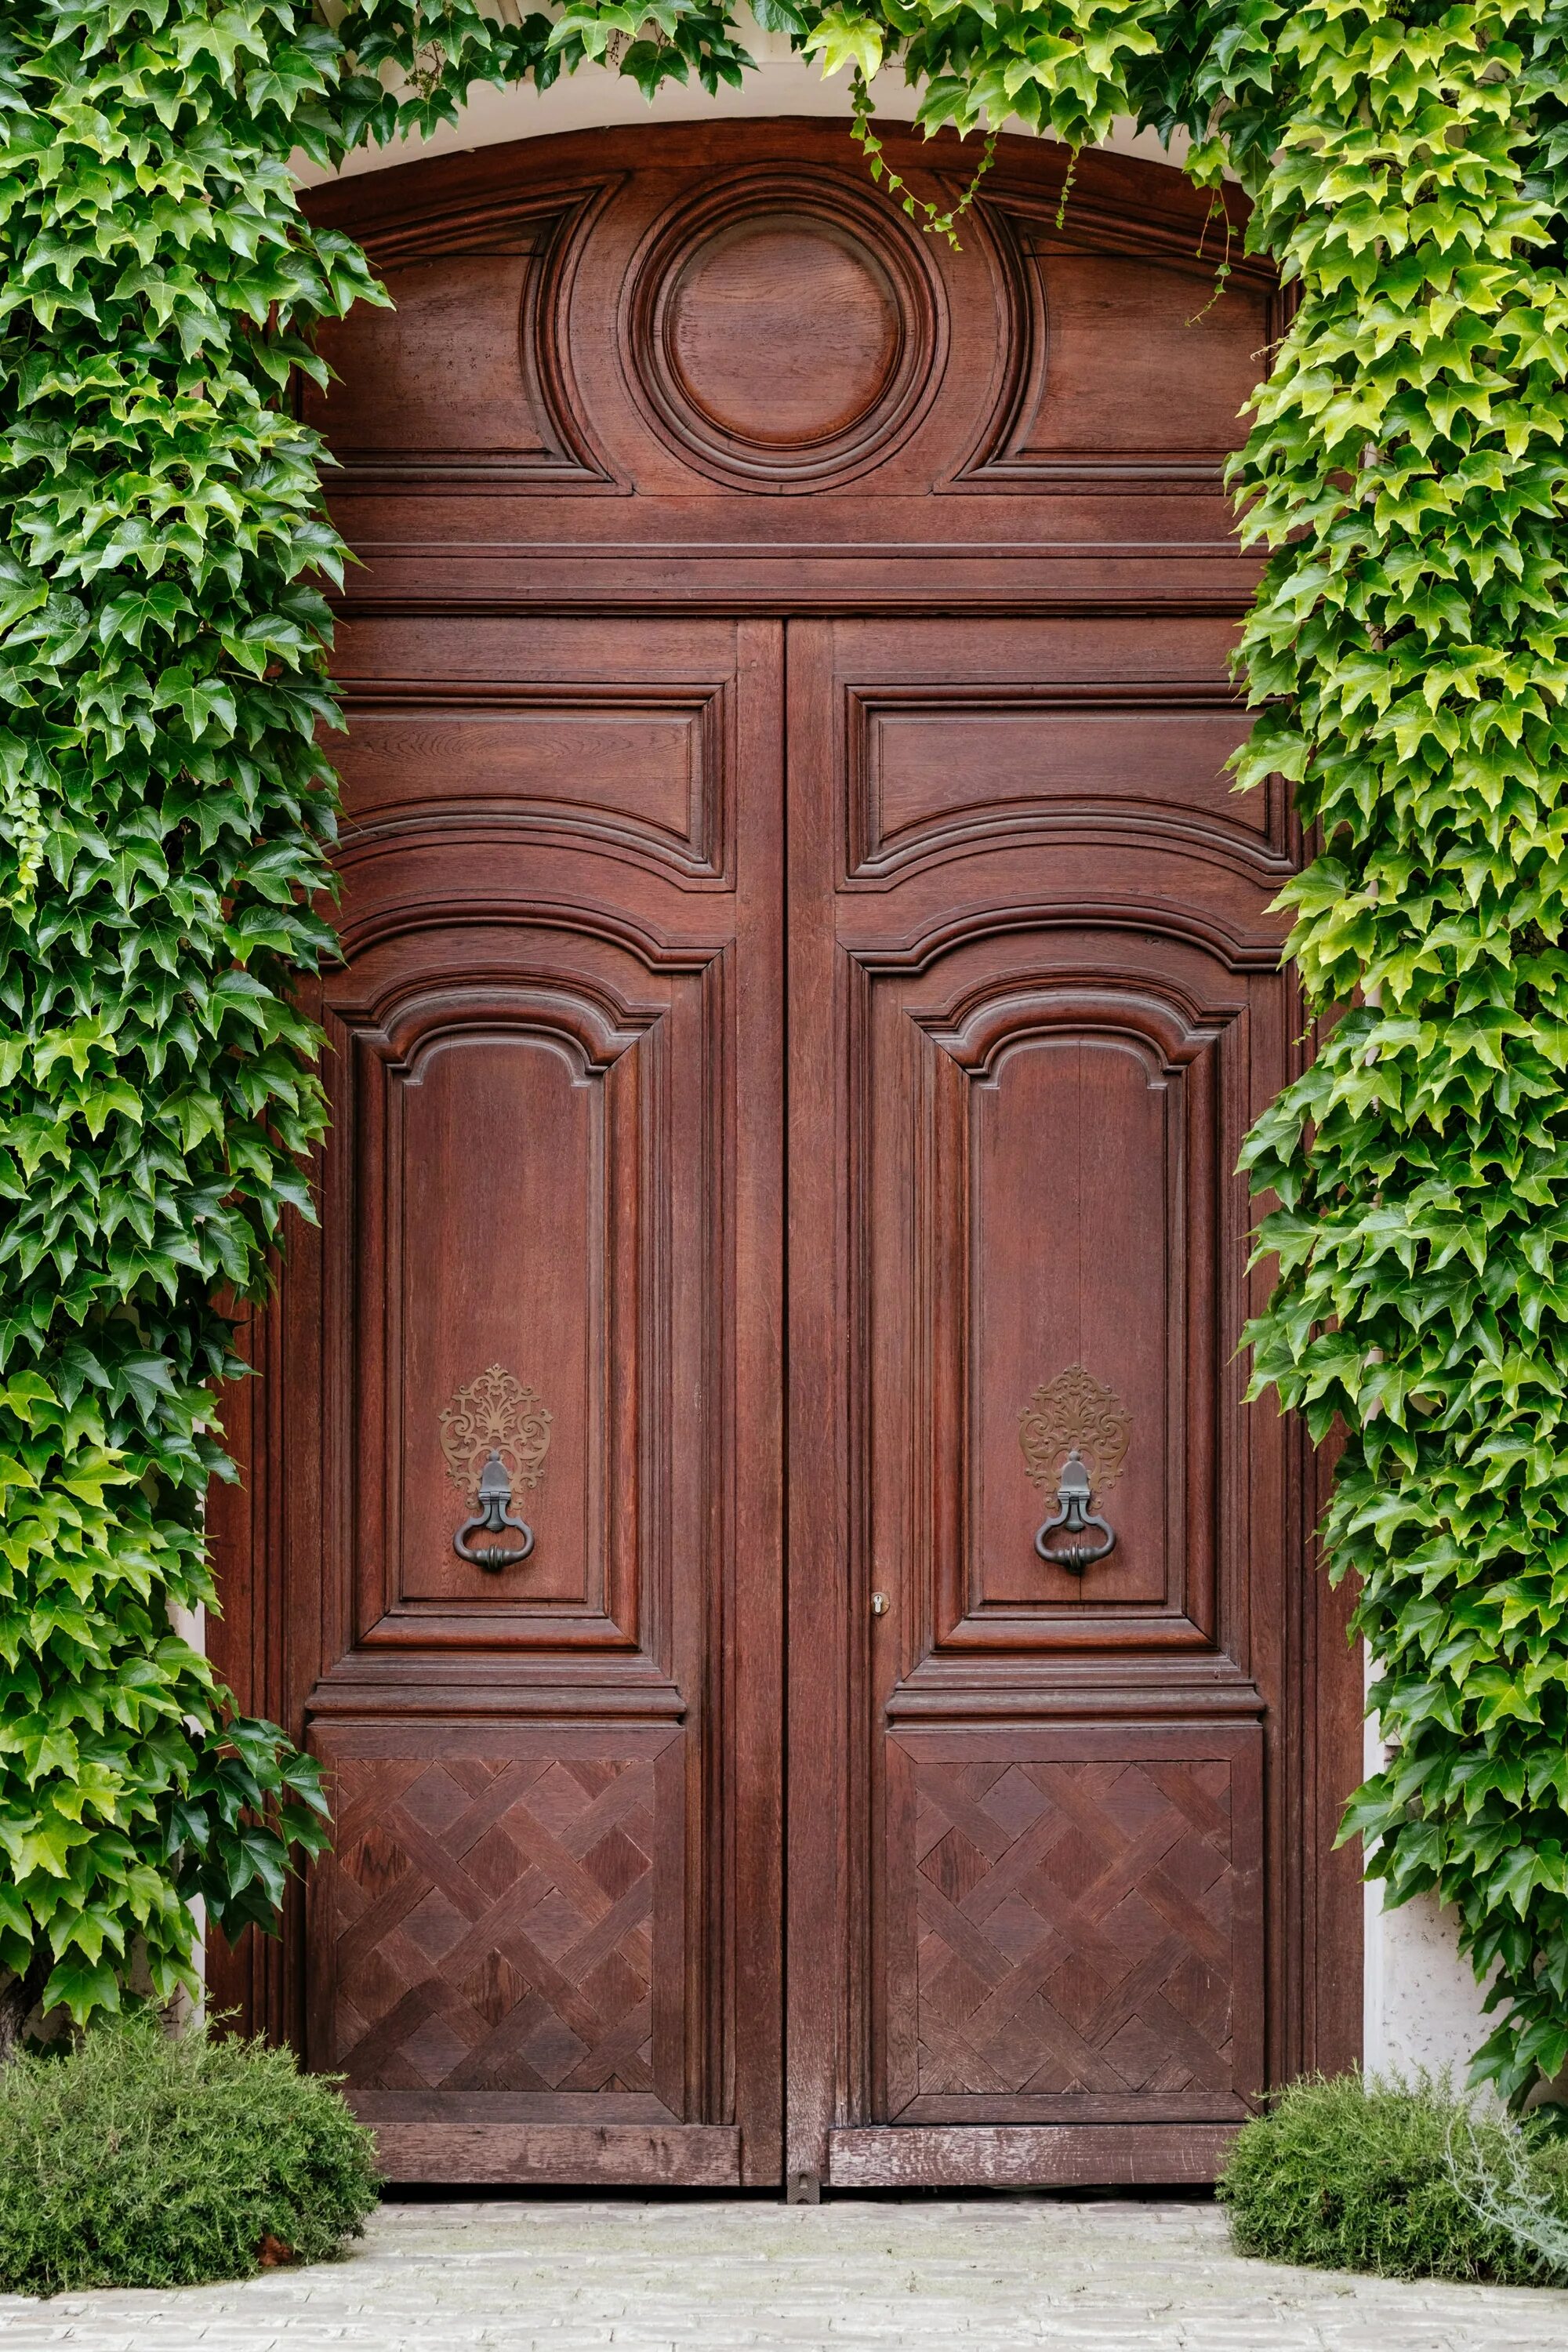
(592, 98)
(1422, 2007)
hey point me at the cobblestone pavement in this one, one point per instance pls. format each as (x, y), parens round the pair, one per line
(723, 2275)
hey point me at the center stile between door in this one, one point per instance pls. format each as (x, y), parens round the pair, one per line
(747, 1490)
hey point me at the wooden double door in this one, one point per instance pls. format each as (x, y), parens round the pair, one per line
(748, 1490)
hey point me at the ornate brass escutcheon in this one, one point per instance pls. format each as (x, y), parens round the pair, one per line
(1074, 1416)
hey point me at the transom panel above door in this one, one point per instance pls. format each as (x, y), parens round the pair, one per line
(748, 1490)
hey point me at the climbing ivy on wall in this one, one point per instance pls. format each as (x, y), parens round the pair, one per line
(167, 819)
(1410, 646)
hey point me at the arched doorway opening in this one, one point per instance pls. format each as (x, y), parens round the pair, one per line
(806, 982)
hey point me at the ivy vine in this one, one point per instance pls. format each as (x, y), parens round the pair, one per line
(1407, 471)
(167, 822)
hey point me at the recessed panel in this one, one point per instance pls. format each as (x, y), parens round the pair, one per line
(463, 374)
(1074, 1925)
(502, 1247)
(783, 330)
(446, 371)
(491, 1922)
(1121, 360)
(783, 333)
(1075, 1179)
(937, 773)
(1044, 1220)
(1138, 357)
(605, 767)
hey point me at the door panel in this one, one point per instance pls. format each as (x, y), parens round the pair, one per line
(529, 1117)
(1050, 1038)
(1041, 1256)
(548, 1235)
(499, 1927)
(1074, 1925)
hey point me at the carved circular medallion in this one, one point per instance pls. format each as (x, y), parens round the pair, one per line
(783, 334)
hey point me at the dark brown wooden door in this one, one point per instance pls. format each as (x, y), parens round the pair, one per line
(548, 1232)
(805, 983)
(1025, 937)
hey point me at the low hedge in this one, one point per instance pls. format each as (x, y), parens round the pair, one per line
(136, 2158)
(1402, 2179)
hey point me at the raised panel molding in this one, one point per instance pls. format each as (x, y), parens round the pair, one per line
(942, 771)
(635, 772)
(1023, 1230)
(525, 1135)
(1124, 365)
(499, 1925)
(1074, 1925)
(783, 330)
(467, 382)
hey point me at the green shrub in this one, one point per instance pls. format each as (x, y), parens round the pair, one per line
(1403, 2178)
(132, 2158)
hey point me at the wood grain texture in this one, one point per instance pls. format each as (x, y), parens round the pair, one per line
(1048, 1042)
(1077, 1936)
(1067, 2155)
(610, 2156)
(785, 331)
(491, 1924)
(1121, 364)
(787, 691)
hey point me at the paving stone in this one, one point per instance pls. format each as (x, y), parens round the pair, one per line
(992, 2274)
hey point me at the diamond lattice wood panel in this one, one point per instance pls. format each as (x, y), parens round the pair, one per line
(488, 1925)
(1075, 1932)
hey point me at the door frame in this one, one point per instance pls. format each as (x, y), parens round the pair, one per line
(801, 1918)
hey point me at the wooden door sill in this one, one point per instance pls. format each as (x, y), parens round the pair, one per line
(626, 2156)
(1027, 2155)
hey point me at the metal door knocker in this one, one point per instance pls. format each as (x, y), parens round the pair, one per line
(1075, 1423)
(494, 1517)
(1075, 1517)
(497, 1421)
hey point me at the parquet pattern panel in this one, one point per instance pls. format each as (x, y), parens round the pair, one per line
(1074, 1927)
(487, 1924)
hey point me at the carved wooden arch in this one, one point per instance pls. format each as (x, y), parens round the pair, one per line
(1158, 1018)
(1224, 941)
(404, 911)
(596, 1019)
(610, 366)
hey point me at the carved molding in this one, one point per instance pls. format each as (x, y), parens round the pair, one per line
(535, 239)
(505, 750)
(1074, 1413)
(488, 1920)
(969, 1556)
(1074, 1934)
(898, 825)
(874, 353)
(496, 1413)
(1021, 445)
